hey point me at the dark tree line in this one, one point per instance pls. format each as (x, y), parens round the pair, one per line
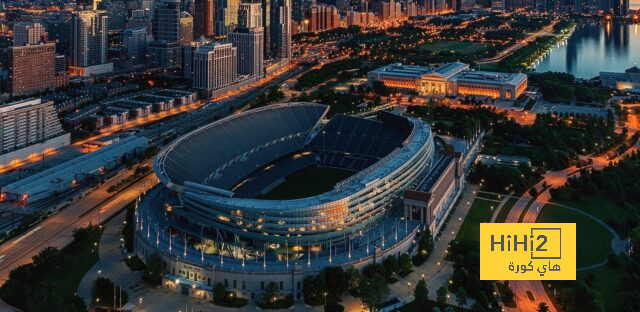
(501, 178)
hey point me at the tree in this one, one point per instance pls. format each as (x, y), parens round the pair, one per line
(421, 293)
(635, 241)
(404, 264)
(461, 297)
(270, 295)
(425, 247)
(373, 290)
(104, 290)
(47, 259)
(542, 307)
(353, 276)
(219, 293)
(441, 295)
(391, 264)
(154, 271)
(336, 281)
(333, 306)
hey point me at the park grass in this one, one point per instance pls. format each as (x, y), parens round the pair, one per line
(605, 279)
(593, 240)
(308, 182)
(489, 66)
(601, 207)
(464, 47)
(480, 212)
(504, 212)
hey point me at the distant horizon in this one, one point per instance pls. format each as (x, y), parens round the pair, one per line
(634, 4)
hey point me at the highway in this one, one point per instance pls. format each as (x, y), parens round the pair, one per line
(57, 230)
(531, 212)
(547, 30)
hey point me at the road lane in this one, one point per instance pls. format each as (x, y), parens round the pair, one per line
(57, 230)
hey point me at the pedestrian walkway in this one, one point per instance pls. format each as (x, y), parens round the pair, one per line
(496, 212)
(436, 270)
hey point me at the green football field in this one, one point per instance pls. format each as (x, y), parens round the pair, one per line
(308, 182)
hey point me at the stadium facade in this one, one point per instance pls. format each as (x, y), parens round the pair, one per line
(207, 219)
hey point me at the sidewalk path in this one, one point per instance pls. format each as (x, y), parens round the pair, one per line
(436, 271)
(496, 212)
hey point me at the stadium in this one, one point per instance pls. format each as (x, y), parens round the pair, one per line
(277, 193)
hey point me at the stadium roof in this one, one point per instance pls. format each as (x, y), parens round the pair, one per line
(419, 136)
(223, 152)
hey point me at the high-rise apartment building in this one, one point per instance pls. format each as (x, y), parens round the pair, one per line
(248, 38)
(215, 66)
(139, 19)
(250, 49)
(203, 19)
(226, 16)
(166, 21)
(117, 11)
(32, 68)
(25, 33)
(186, 28)
(88, 38)
(279, 43)
(27, 122)
(322, 17)
(134, 44)
(249, 15)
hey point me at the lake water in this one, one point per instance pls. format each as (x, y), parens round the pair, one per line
(595, 47)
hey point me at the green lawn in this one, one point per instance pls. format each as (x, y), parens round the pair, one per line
(489, 66)
(480, 212)
(600, 207)
(464, 47)
(606, 280)
(504, 212)
(593, 240)
(308, 182)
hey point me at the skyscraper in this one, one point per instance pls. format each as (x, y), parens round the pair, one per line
(89, 38)
(203, 19)
(322, 17)
(27, 33)
(117, 11)
(279, 44)
(215, 66)
(249, 15)
(166, 21)
(32, 68)
(186, 28)
(248, 38)
(226, 12)
(134, 42)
